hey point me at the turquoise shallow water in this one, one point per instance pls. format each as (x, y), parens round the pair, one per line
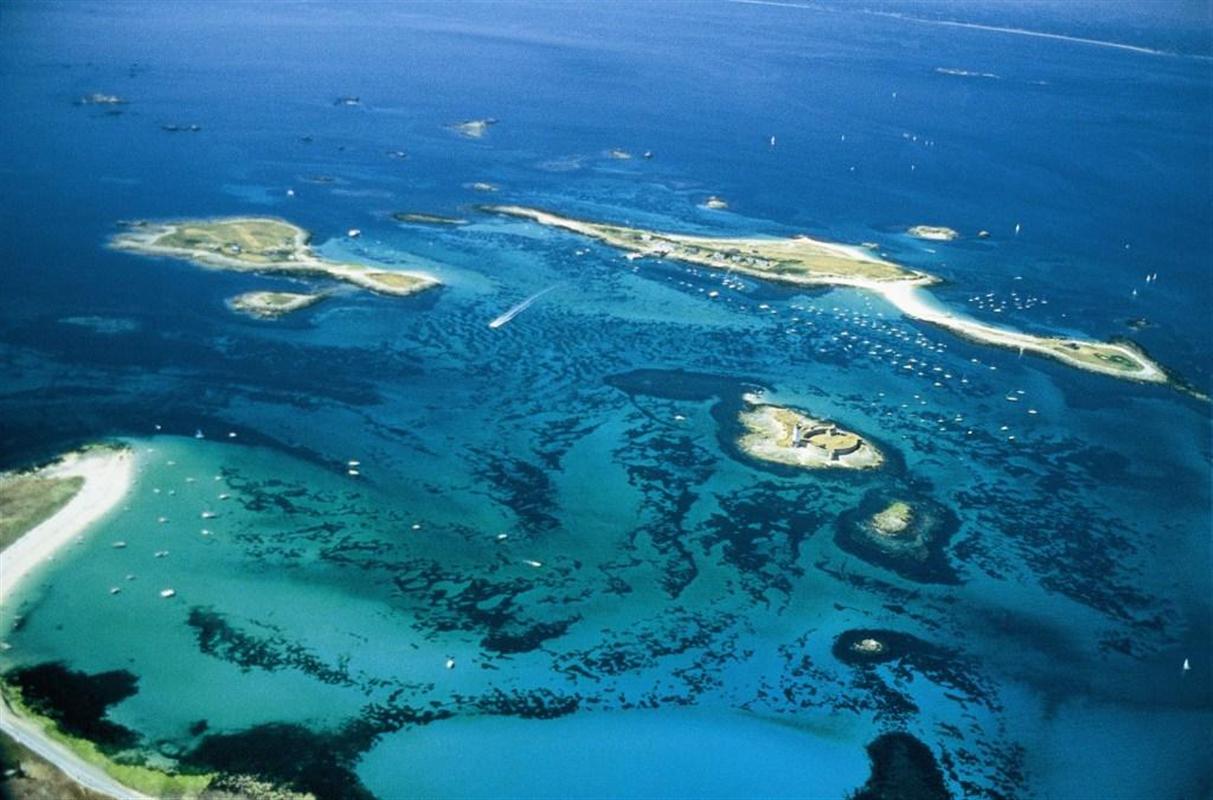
(677, 637)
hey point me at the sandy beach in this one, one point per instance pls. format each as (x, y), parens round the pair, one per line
(910, 300)
(804, 261)
(107, 478)
(107, 475)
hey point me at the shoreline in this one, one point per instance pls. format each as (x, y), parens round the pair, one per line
(303, 261)
(108, 475)
(910, 302)
(900, 286)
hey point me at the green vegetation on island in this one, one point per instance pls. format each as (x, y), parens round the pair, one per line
(799, 260)
(811, 262)
(260, 244)
(271, 305)
(786, 436)
(26, 500)
(140, 777)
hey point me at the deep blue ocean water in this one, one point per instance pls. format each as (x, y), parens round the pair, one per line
(676, 640)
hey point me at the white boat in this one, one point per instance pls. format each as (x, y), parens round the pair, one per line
(167, 593)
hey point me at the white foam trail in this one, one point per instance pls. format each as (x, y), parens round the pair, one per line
(1133, 48)
(518, 309)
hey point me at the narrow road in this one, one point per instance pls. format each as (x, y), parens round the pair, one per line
(73, 766)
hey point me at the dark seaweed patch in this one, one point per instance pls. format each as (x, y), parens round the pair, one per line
(760, 530)
(514, 638)
(219, 638)
(522, 487)
(533, 704)
(291, 756)
(903, 768)
(676, 384)
(77, 701)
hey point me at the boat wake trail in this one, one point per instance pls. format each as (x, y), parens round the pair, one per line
(518, 309)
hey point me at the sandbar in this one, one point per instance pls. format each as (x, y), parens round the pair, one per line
(803, 261)
(260, 244)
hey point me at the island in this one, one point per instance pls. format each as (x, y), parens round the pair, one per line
(427, 219)
(473, 128)
(802, 261)
(271, 305)
(263, 245)
(900, 531)
(785, 436)
(101, 99)
(935, 233)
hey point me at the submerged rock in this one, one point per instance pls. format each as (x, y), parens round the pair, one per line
(903, 768)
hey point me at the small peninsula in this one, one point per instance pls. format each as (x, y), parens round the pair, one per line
(935, 233)
(802, 261)
(271, 305)
(785, 436)
(260, 244)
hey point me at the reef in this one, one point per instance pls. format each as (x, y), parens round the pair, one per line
(77, 701)
(903, 768)
(290, 756)
(900, 532)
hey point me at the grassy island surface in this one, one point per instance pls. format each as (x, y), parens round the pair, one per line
(260, 244)
(27, 500)
(810, 262)
(798, 260)
(786, 436)
(271, 305)
(936, 233)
